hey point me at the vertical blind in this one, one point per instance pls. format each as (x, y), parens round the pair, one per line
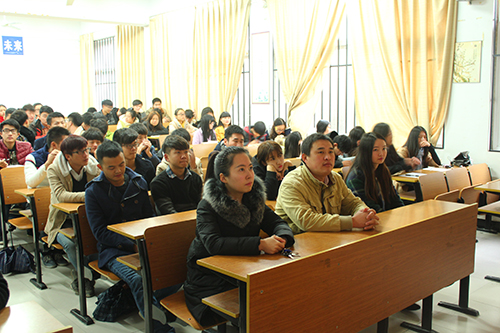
(105, 74)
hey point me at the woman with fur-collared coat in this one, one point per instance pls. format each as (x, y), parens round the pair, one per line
(229, 219)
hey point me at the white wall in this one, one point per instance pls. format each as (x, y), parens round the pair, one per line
(467, 126)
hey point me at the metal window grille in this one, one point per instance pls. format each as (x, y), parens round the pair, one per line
(105, 73)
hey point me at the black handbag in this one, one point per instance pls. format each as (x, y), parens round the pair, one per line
(462, 159)
(17, 260)
(114, 302)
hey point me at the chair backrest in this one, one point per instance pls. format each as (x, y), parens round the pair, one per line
(112, 128)
(432, 184)
(479, 174)
(161, 139)
(204, 149)
(42, 206)
(457, 178)
(252, 149)
(469, 195)
(294, 160)
(12, 178)
(451, 196)
(345, 171)
(167, 247)
(89, 242)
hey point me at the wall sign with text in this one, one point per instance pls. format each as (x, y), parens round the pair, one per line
(12, 45)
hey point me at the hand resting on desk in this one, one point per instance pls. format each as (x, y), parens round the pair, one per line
(366, 218)
(272, 245)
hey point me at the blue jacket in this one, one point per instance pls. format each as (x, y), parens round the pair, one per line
(105, 206)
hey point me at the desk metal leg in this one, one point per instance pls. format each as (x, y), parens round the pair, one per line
(242, 288)
(383, 326)
(487, 225)
(36, 241)
(426, 326)
(82, 313)
(146, 286)
(418, 193)
(463, 299)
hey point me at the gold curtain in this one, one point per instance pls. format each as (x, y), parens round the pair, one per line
(220, 38)
(304, 34)
(197, 55)
(403, 63)
(131, 79)
(87, 70)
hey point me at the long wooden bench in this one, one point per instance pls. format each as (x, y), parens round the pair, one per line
(167, 248)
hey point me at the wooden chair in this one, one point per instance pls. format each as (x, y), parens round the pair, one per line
(469, 195)
(204, 149)
(42, 202)
(432, 185)
(452, 196)
(457, 179)
(112, 128)
(252, 149)
(345, 171)
(161, 139)
(12, 178)
(479, 174)
(294, 160)
(168, 270)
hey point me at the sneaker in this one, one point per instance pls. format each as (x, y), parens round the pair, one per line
(413, 307)
(74, 286)
(89, 287)
(59, 259)
(48, 261)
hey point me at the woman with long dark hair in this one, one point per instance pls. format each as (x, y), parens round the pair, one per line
(224, 122)
(154, 125)
(394, 162)
(228, 221)
(292, 144)
(279, 128)
(369, 178)
(417, 146)
(205, 132)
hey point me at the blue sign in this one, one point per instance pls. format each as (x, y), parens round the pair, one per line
(12, 45)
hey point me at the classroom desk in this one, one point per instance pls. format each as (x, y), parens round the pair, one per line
(29, 194)
(412, 178)
(135, 231)
(27, 317)
(71, 208)
(415, 251)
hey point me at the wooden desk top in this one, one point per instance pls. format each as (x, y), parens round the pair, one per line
(309, 243)
(489, 187)
(27, 317)
(406, 177)
(135, 229)
(26, 192)
(68, 207)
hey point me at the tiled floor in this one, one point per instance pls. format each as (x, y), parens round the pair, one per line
(58, 299)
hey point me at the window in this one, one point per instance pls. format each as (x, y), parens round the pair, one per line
(104, 64)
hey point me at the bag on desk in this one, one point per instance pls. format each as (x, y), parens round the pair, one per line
(16, 260)
(462, 159)
(114, 302)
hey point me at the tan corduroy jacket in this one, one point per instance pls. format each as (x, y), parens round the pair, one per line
(307, 204)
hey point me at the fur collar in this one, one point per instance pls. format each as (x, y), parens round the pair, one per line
(251, 209)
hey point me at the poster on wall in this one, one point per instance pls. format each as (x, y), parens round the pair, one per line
(467, 63)
(12, 45)
(261, 68)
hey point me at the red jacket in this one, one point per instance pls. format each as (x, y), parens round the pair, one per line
(23, 149)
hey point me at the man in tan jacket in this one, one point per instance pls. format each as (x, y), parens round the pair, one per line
(315, 198)
(71, 170)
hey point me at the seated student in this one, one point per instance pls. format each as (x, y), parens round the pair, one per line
(355, 135)
(86, 118)
(206, 111)
(53, 119)
(157, 105)
(108, 112)
(234, 136)
(256, 134)
(176, 189)
(341, 144)
(74, 123)
(127, 138)
(25, 133)
(292, 144)
(279, 128)
(229, 219)
(72, 168)
(127, 119)
(31, 112)
(146, 148)
(270, 166)
(224, 122)
(205, 132)
(9, 112)
(194, 162)
(118, 194)
(154, 125)
(314, 198)
(12, 152)
(417, 146)
(40, 125)
(393, 161)
(180, 122)
(3, 108)
(369, 178)
(323, 127)
(190, 118)
(94, 138)
(101, 123)
(37, 163)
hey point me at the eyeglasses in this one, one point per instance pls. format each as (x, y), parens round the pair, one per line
(7, 131)
(81, 152)
(131, 146)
